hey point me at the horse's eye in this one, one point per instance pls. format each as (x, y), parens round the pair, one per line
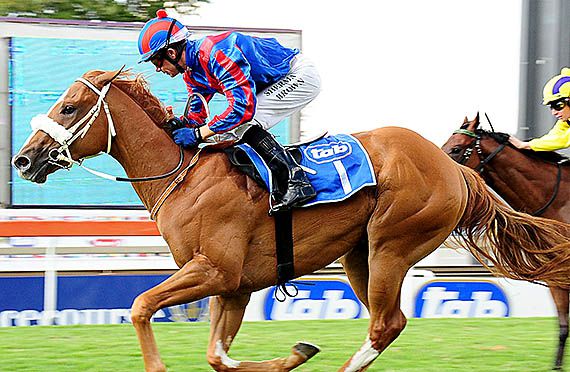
(456, 150)
(68, 110)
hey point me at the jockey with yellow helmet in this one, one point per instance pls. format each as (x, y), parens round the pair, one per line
(556, 95)
(262, 81)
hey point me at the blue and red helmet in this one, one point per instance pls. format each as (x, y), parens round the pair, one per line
(158, 33)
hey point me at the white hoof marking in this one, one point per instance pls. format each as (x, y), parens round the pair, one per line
(226, 360)
(363, 357)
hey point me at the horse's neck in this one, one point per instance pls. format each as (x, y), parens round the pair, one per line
(513, 176)
(143, 150)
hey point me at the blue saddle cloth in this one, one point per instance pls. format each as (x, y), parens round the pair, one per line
(337, 166)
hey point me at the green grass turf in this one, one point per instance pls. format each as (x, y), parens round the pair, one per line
(517, 344)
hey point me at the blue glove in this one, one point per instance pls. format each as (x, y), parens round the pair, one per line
(187, 137)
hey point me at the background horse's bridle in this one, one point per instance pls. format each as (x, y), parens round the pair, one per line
(478, 134)
(476, 144)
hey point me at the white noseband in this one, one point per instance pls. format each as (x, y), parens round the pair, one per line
(66, 136)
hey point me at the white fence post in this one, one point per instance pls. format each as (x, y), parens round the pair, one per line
(50, 283)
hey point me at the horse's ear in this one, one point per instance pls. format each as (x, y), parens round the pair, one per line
(108, 76)
(473, 124)
(466, 123)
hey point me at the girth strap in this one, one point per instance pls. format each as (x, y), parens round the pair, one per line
(284, 246)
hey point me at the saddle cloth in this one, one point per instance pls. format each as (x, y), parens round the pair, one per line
(337, 166)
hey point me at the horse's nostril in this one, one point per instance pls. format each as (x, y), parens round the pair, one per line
(21, 162)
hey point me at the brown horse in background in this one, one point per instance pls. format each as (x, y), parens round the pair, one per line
(216, 224)
(531, 182)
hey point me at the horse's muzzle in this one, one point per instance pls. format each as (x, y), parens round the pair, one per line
(21, 162)
(31, 169)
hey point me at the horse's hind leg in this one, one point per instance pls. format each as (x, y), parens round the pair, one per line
(386, 319)
(355, 264)
(226, 314)
(560, 297)
(389, 262)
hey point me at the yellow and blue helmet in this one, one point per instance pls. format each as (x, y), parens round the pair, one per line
(158, 33)
(557, 88)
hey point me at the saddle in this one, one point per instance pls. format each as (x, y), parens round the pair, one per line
(242, 161)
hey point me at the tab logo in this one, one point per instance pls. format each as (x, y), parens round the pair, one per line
(326, 299)
(328, 152)
(469, 299)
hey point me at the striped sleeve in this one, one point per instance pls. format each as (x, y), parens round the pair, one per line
(231, 71)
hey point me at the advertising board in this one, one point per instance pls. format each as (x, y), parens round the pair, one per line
(101, 299)
(322, 298)
(107, 299)
(461, 299)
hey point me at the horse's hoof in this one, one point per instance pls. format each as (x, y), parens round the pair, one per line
(306, 349)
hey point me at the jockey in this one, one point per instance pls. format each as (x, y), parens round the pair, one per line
(263, 82)
(556, 95)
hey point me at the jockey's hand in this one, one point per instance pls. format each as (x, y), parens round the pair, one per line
(187, 137)
(518, 143)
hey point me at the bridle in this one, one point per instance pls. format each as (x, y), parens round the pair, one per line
(66, 136)
(476, 144)
(61, 156)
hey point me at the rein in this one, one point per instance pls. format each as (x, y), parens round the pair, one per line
(166, 193)
(66, 136)
(554, 193)
(482, 162)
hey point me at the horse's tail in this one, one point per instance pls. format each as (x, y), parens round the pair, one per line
(517, 245)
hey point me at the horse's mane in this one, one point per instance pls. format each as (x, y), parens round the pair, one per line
(498, 136)
(547, 156)
(138, 89)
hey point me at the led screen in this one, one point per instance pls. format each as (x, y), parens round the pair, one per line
(41, 69)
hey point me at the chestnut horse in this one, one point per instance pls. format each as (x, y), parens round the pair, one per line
(532, 182)
(220, 235)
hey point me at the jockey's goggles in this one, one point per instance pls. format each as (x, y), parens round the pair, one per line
(558, 105)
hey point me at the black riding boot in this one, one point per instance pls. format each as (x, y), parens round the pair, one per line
(282, 164)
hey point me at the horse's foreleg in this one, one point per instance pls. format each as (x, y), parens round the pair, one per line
(560, 297)
(226, 314)
(197, 279)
